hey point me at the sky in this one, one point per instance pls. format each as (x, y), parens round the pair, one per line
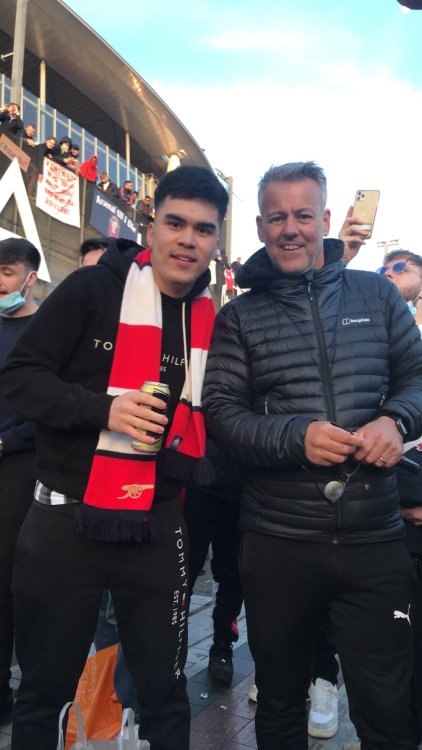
(261, 83)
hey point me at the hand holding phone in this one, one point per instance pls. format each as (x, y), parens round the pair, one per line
(365, 207)
(353, 236)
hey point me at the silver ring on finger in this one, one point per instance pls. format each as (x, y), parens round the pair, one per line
(382, 460)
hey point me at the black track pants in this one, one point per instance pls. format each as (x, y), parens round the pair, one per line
(59, 578)
(211, 519)
(17, 480)
(366, 589)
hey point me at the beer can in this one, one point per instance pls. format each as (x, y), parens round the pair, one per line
(158, 390)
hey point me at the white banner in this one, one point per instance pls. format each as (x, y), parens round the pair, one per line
(58, 193)
(12, 184)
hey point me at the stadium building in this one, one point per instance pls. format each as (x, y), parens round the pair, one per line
(76, 86)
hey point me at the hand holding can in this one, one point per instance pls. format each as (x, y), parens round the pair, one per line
(161, 391)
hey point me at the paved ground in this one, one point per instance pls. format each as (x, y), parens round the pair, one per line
(222, 718)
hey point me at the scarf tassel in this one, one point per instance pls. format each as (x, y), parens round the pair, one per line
(106, 525)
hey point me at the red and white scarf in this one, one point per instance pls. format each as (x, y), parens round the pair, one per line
(121, 484)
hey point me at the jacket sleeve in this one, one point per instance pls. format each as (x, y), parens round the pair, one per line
(405, 363)
(265, 440)
(32, 379)
(18, 437)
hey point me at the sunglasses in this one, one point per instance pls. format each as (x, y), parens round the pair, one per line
(398, 267)
(334, 490)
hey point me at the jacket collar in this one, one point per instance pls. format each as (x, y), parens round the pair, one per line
(259, 272)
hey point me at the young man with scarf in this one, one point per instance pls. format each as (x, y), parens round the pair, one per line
(105, 516)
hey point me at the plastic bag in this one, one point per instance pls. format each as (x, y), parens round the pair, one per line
(96, 698)
(126, 739)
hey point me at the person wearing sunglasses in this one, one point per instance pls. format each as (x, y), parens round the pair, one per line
(404, 269)
(314, 378)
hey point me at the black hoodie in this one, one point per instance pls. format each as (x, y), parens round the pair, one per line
(58, 374)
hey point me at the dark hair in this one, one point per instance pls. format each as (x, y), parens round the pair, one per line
(75, 145)
(93, 243)
(18, 250)
(193, 183)
(293, 172)
(396, 254)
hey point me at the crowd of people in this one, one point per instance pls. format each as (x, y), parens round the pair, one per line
(130, 197)
(223, 284)
(66, 153)
(290, 462)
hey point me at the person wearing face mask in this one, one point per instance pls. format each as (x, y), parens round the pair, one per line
(19, 262)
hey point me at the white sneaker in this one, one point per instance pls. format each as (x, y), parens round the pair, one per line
(253, 694)
(323, 714)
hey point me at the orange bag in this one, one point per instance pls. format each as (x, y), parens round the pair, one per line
(97, 699)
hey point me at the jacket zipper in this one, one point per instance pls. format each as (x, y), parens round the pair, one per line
(326, 376)
(322, 346)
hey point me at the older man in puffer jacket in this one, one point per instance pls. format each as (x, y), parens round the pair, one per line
(314, 380)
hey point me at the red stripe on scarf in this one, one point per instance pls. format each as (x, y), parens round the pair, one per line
(134, 364)
(144, 257)
(203, 314)
(123, 489)
(187, 434)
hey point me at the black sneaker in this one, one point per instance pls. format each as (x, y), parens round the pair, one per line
(6, 708)
(220, 664)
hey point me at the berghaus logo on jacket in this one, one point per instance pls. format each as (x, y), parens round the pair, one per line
(356, 320)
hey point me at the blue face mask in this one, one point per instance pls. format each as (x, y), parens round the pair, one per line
(411, 307)
(13, 301)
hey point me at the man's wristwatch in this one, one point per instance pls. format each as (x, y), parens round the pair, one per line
(401, 428)
(398, 421)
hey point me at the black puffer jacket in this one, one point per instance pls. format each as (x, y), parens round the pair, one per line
(330, 344)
